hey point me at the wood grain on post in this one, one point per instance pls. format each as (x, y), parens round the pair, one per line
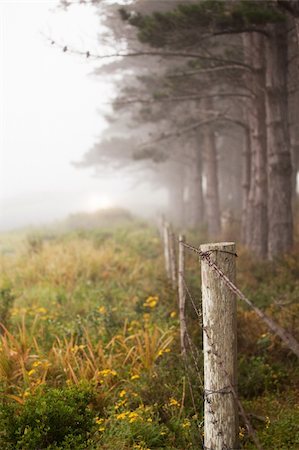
(182, 294)
(220, 349)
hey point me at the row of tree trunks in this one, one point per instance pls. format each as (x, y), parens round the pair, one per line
(268, 221)
(269, 182)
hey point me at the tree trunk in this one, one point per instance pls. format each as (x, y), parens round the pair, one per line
(212, 207)
(195, 190)
(176, 194)
(279, 155)
(256, 218)
(246, 157)
(293, 105)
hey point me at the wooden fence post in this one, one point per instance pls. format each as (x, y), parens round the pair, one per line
(220, 349)
(182, 294)
(166, 249)
(172, 256)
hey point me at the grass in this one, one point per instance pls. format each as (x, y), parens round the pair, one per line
(89, 317)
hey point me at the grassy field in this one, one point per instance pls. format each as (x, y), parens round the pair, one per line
(90, 356)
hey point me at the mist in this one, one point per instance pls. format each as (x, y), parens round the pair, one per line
(53, 110)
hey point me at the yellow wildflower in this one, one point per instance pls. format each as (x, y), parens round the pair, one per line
(120, 404)
(133, 416)
(162, 351)
(122, 393)
(151, 302)
(31, 372)
(102, 310)
(174, 402)
(186, 423)
(106, 372)
(135, 377)
(37, 364)
(122, 416)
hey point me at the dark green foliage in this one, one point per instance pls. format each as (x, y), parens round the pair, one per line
(283, 434)
(257, 377)
(189, 23)
(279, 433)
(58, 418)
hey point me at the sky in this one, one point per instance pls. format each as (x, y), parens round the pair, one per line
(52, 111)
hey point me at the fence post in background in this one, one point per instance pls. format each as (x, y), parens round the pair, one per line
(172, 256)
(182, 294)
(160, 224)
(166, 249)
(220, 349)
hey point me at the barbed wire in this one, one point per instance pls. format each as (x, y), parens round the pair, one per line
(230, 389)
(284, 335)
(206, 392)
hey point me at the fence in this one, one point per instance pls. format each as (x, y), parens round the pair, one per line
(218, 323)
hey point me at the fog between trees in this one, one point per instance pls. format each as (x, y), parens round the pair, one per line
(207, 108)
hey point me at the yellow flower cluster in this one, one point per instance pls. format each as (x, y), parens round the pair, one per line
(122, 393)
(106, 373)
(186, 423)
(131, 416)
(174, 402)
(151, 302)
(119, 404)
(44, 364)
(101, 423)
(162, 351)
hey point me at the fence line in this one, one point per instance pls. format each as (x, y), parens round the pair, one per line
(207, 256)
(222, 368)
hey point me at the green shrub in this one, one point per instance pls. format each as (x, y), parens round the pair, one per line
(256, 376)
(58, 418)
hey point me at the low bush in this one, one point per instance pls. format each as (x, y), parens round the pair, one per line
(57, 418)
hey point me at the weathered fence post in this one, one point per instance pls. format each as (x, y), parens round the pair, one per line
(166, 249)
(182, 294)
(220, 349)
(172, 256)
